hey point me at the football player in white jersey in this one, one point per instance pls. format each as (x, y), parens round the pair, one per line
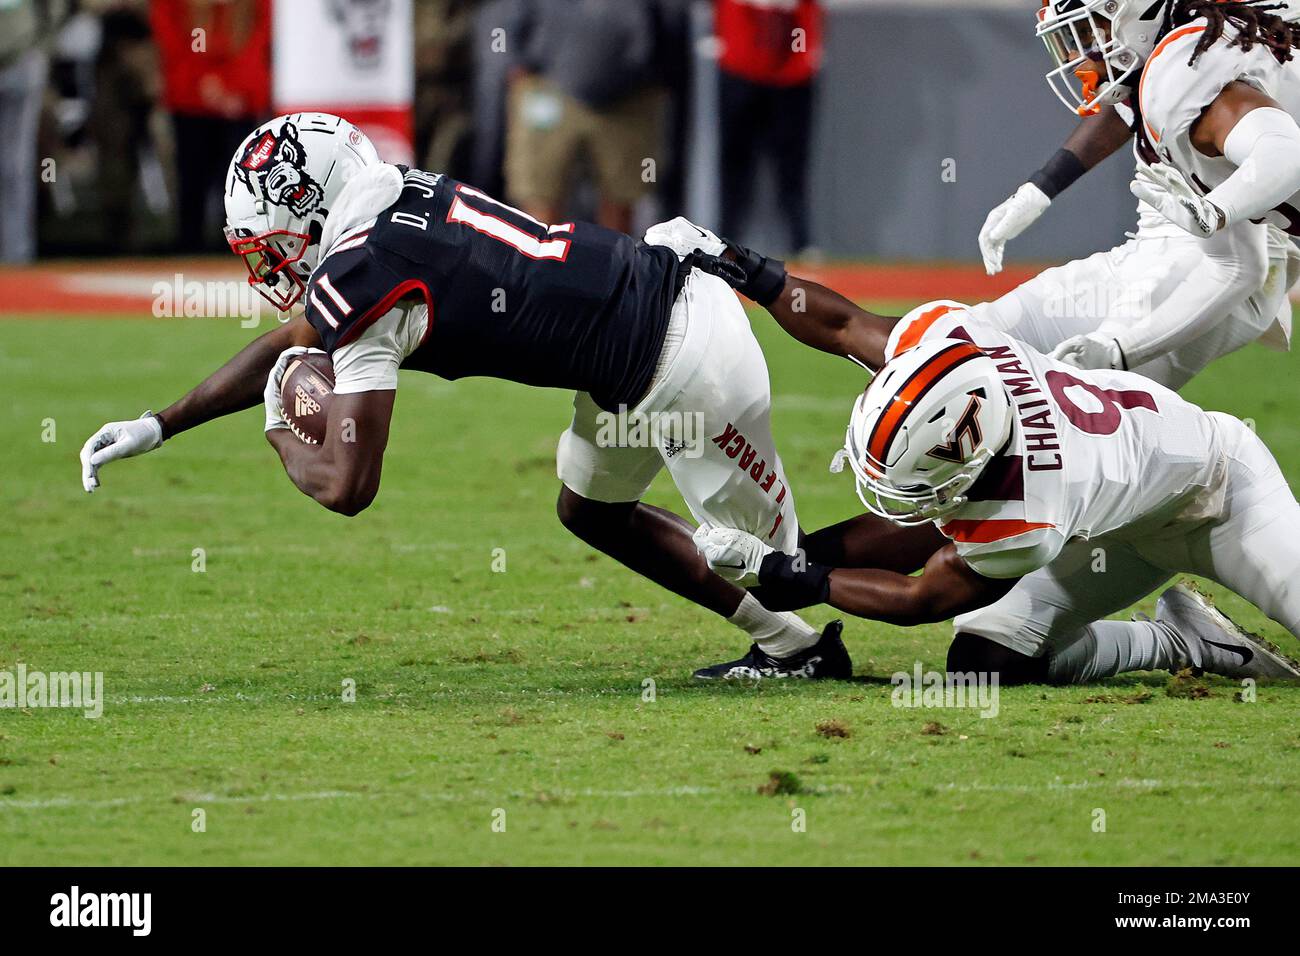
(1218, 97)
(1035, 499)
(1165, 303)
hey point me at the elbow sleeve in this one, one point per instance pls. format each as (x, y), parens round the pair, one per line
(1265, 147)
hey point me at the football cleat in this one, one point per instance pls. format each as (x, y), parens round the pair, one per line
(1214, 643)
(828, 659)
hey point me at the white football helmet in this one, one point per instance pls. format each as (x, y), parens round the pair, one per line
(922, 432)
(1100, 43)
(280, 186)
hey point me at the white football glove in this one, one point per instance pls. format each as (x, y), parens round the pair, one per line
(1093, 350)
(118, 440)
(1165, 188)
(684, 237)
(271, 395)
(1008, 221)
(732, 554)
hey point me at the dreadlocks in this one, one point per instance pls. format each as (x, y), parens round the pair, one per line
(1254, 23)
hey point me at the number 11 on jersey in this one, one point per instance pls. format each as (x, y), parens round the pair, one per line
(532, 238)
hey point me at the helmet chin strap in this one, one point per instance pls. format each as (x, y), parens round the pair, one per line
(870, 371)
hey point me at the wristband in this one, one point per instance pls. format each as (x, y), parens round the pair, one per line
(162, 425)
(764, 277)
(790, 582)
(1059, 173)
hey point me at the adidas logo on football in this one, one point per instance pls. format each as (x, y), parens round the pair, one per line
(304, 404)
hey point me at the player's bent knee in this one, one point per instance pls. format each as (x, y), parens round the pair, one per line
(970, 653)
(586, 517)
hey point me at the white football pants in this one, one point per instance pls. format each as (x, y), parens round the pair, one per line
(1119, 287)
(1248, 540)
(706, 416)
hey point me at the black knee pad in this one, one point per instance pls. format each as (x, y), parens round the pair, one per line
(970, 653)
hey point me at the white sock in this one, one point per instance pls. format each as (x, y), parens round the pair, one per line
(1107, 648)
(779, 633)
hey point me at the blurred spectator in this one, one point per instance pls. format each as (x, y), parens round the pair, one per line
(491, 72)
(585, 85)
(126, 92)
(444, 67)
(769, 58)
(25, 28)
(216, 66)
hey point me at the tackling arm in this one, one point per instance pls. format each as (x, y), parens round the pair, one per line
(810, 312)
(947, 585)
(825, 320)
(342, 472)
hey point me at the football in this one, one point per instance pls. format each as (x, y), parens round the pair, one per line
(305, 393)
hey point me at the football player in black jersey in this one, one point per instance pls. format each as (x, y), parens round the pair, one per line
(403, 268)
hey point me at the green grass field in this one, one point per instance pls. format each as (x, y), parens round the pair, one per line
(479, 692)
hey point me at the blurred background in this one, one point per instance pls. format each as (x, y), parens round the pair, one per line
(886, 130)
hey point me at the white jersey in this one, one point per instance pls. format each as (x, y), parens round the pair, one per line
(1091, 452)
(1172, 96)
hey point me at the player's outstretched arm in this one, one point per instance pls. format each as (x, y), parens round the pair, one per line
(238, 384)
(235, 386)
(947, 585)
(1093, 140)
(342, 472)
(824, 319)
(810, 312)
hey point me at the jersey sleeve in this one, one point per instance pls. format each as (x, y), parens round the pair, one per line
(1173, 93)
(350, 291)
(1005, 549)
(930, 321)
(370, 361)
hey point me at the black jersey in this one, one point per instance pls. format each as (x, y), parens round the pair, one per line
(573, 306)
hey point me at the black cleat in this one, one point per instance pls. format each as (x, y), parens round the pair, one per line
(828, 659)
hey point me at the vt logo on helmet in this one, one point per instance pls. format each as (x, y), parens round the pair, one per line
(1101, 44)
(925, 429)
(280, 186)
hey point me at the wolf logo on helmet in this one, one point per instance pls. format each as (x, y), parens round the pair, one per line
(273, 166)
